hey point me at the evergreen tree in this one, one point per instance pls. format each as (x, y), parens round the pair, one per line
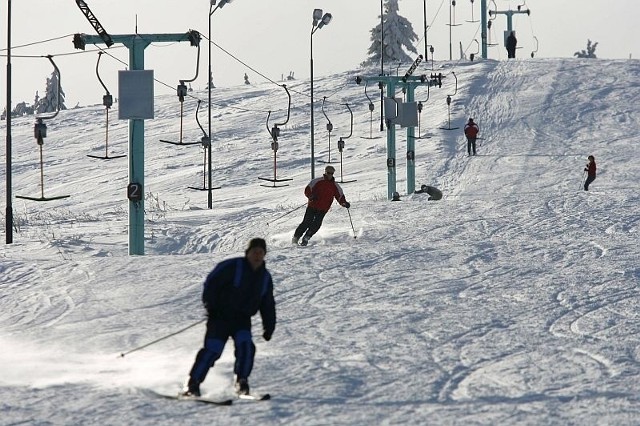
(51, 102)
(398, 33)
(589, 53)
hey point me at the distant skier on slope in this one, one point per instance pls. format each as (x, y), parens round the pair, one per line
(233, 292)
(511, 44)
(590, 168)
(471, 131)
(320, 192)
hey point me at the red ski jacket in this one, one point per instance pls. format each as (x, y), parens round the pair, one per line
(321, 192)
(591, 169)
(471, 130)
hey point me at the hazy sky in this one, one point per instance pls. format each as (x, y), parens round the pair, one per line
(272, 37)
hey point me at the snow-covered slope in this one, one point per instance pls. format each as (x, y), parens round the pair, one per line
(513, 300)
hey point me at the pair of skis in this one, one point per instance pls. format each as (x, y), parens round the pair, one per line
(222, 402)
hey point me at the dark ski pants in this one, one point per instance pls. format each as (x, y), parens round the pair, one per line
(588, 182)
(511, 53)
(471, 145)
(311, 222)
(218, 332)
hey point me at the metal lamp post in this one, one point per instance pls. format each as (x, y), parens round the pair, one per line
(319, 21)
(212, 3)
(381, 65)
(9, 211)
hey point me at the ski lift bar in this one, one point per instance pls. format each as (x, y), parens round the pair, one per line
(275, 132)
(341, 147)
(40, 132)
(194, 39)
(206, 142)
(449, 104)
(329, 129)
(107, 101)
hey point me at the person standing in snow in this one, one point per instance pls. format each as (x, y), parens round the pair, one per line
(320, 192)
(511, 44)
(590, 168)
(234, 291)
(471, 131)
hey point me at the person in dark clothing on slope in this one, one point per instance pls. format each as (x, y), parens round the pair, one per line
(434, 193)
(590, 168)
(511, 44)
(234, 291)
(320, 192)
(471, 131)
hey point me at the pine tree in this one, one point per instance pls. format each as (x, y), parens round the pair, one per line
(51, 102)
(589, 53)
(398, 33)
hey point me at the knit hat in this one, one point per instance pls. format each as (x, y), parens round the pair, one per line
(256, 242)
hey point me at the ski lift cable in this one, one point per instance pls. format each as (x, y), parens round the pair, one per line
(261, 74)
(107, 52)
(38, 42)
(430, 25)
(473, 40)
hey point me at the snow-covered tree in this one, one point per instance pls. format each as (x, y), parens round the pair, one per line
(589, 53)
(51, 102)
(398, 33)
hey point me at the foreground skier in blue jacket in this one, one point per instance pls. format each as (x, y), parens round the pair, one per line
(235, 291)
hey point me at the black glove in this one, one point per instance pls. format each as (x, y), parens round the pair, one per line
(266, 335)
(347, 204)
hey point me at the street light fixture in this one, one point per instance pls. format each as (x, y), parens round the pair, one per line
(319, 21)
(207, 141)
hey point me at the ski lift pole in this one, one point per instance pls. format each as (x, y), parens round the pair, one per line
(136, 44)
(484, 28)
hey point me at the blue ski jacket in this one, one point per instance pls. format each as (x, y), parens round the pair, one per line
(234, 292)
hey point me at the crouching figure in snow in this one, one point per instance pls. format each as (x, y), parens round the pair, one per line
(434, 193)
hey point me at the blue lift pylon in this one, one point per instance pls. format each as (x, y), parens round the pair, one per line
(136, 43)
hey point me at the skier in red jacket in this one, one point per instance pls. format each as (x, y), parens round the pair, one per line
(590, 168)
(320, 192)
(471, 131)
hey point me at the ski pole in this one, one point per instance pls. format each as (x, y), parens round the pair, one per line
(582, 179)
(354, 229)
(162, 338)
(290, 211)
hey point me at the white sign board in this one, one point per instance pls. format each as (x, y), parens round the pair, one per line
(135, 95)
